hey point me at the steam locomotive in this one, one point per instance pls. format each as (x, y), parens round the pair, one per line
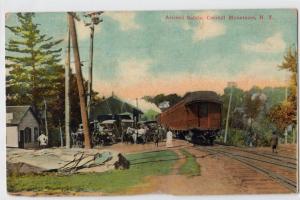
(197, 117)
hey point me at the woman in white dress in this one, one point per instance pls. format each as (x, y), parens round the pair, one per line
(169, 142)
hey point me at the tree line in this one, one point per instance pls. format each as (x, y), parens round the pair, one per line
(36, 76)
(257, 112)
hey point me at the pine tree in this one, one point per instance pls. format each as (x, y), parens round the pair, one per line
(35, 73)
(33, 64)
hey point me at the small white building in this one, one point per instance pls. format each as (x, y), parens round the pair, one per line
(22, 127)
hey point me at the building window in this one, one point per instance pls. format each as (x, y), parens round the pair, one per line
(36, 134)
(27, 135)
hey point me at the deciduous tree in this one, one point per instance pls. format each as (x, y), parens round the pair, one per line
(285, 113)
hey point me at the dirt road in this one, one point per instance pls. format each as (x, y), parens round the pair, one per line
(219, 175)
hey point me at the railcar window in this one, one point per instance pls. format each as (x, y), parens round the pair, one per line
(203, 110)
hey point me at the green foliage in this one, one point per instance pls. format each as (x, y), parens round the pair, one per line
(289, 63)
(236, 102)
(285, 113)
(35, 72)
(54, 137)
(282, 115)
(116, 181)
(275, 95)
(33, 63)
(252, 105)
(248, 105)
(149, 115)
(190, 167)
(236, 137)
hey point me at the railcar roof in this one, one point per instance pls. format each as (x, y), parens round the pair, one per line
(202, 96)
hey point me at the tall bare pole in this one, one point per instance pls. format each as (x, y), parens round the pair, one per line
(45, 116)
(230, 84)
(84, 117)
(94, 20)
(137, 106)
(67, 95)
(61, 135)
(90, 84)
(137, 102)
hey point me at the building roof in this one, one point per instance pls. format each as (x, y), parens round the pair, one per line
(113, 106)
(18, 112)
(202, 96)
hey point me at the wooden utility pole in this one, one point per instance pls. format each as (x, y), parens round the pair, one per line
(67, 95)
(84, 117)
(137, 106)
(231, 85)
(94, 20)
(90, 83)
(61, 135)
(45, 116)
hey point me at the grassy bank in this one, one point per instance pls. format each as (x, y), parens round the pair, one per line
(142, 164)
(190, 167)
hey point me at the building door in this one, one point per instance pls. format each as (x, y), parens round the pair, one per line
(21, 140)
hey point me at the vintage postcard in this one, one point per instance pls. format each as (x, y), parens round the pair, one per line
(199, 102)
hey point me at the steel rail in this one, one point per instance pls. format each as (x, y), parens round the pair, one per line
(263, 154)
(282, 156)
(289, 184)
(289, 166)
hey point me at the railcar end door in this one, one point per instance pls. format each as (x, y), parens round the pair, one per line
(203, 115)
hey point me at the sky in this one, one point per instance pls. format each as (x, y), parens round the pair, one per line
(152, 52)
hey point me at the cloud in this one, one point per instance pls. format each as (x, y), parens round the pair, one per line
(125, 19)
(133, 71)
(129, 73)
(264, 69)
(272, 44)
(135, 81)
(83, 32)
(7, 16)
(206, 28)
(261, 73)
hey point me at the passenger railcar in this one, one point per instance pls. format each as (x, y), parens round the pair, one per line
(196, 117)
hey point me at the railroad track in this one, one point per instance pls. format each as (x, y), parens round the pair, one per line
(279, 169)
(282, 161)
(263, 153)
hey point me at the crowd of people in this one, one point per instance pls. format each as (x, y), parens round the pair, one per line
(130, 134)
